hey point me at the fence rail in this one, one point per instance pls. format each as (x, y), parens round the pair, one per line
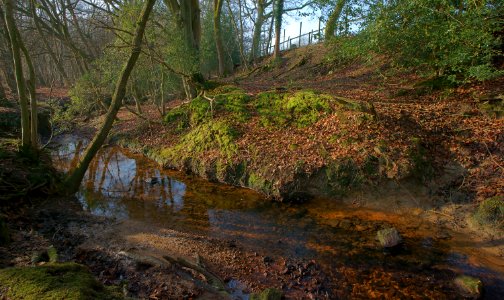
(313, 37)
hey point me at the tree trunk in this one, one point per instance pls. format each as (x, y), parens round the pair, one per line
(278, 26)
(218, 36)
(76, 175)
(163, 109)
(333, 19)
(256, 38)
(18, 70)
(188, 19)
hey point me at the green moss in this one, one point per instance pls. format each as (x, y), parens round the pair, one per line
(52, 253)
(200, 111)
(225, 89)
(491, 212)
(179, 117)
(53, 281)
(306, 107)
(300, 109)
(342, 175)
(259, 183)
(267, 294)
(214, 135)
(234, 103)
(269, 106)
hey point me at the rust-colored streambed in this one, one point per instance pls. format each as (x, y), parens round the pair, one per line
(340, 238)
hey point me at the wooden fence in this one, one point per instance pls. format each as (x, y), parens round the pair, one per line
(303, 39)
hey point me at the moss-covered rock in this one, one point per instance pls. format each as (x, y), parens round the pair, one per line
(267, 294)
(469, 287)
(491, 212)
(53, 281)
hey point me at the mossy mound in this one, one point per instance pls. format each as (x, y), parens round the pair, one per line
(53, 281)
(225, 101)
(491, 212)
(300, 109)
(214, 135)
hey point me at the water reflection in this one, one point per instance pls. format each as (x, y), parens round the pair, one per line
(123, 185)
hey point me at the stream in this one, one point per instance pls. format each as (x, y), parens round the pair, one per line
(123, 185)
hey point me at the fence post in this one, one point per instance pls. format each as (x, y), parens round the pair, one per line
(319, 34)
(290, 43)
(309, 38)
(300, 28)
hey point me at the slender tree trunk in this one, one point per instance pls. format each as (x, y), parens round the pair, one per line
(163, 109)
(33, 97)
(278, 25)
(18, 70)
(333, 19)
(218, 36)
(7, 77)
(76, 175)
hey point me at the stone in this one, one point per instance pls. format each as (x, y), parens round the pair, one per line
(389, 237)
(469, 287)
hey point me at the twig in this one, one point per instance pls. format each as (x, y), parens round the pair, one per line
(491, 156)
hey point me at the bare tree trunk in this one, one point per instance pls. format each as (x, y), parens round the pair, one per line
(76, 175)
(333, 19)
(18, 69)
(278, 25)
(256, 38)
(218, 36)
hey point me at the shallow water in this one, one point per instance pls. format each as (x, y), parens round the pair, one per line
(123, 185)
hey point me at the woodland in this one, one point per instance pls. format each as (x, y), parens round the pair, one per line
(190, 149)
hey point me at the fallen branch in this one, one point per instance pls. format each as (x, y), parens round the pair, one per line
(214, 281)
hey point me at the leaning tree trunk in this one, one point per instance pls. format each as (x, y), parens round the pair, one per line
(18, 70)
(333, 19)
(73, 180)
